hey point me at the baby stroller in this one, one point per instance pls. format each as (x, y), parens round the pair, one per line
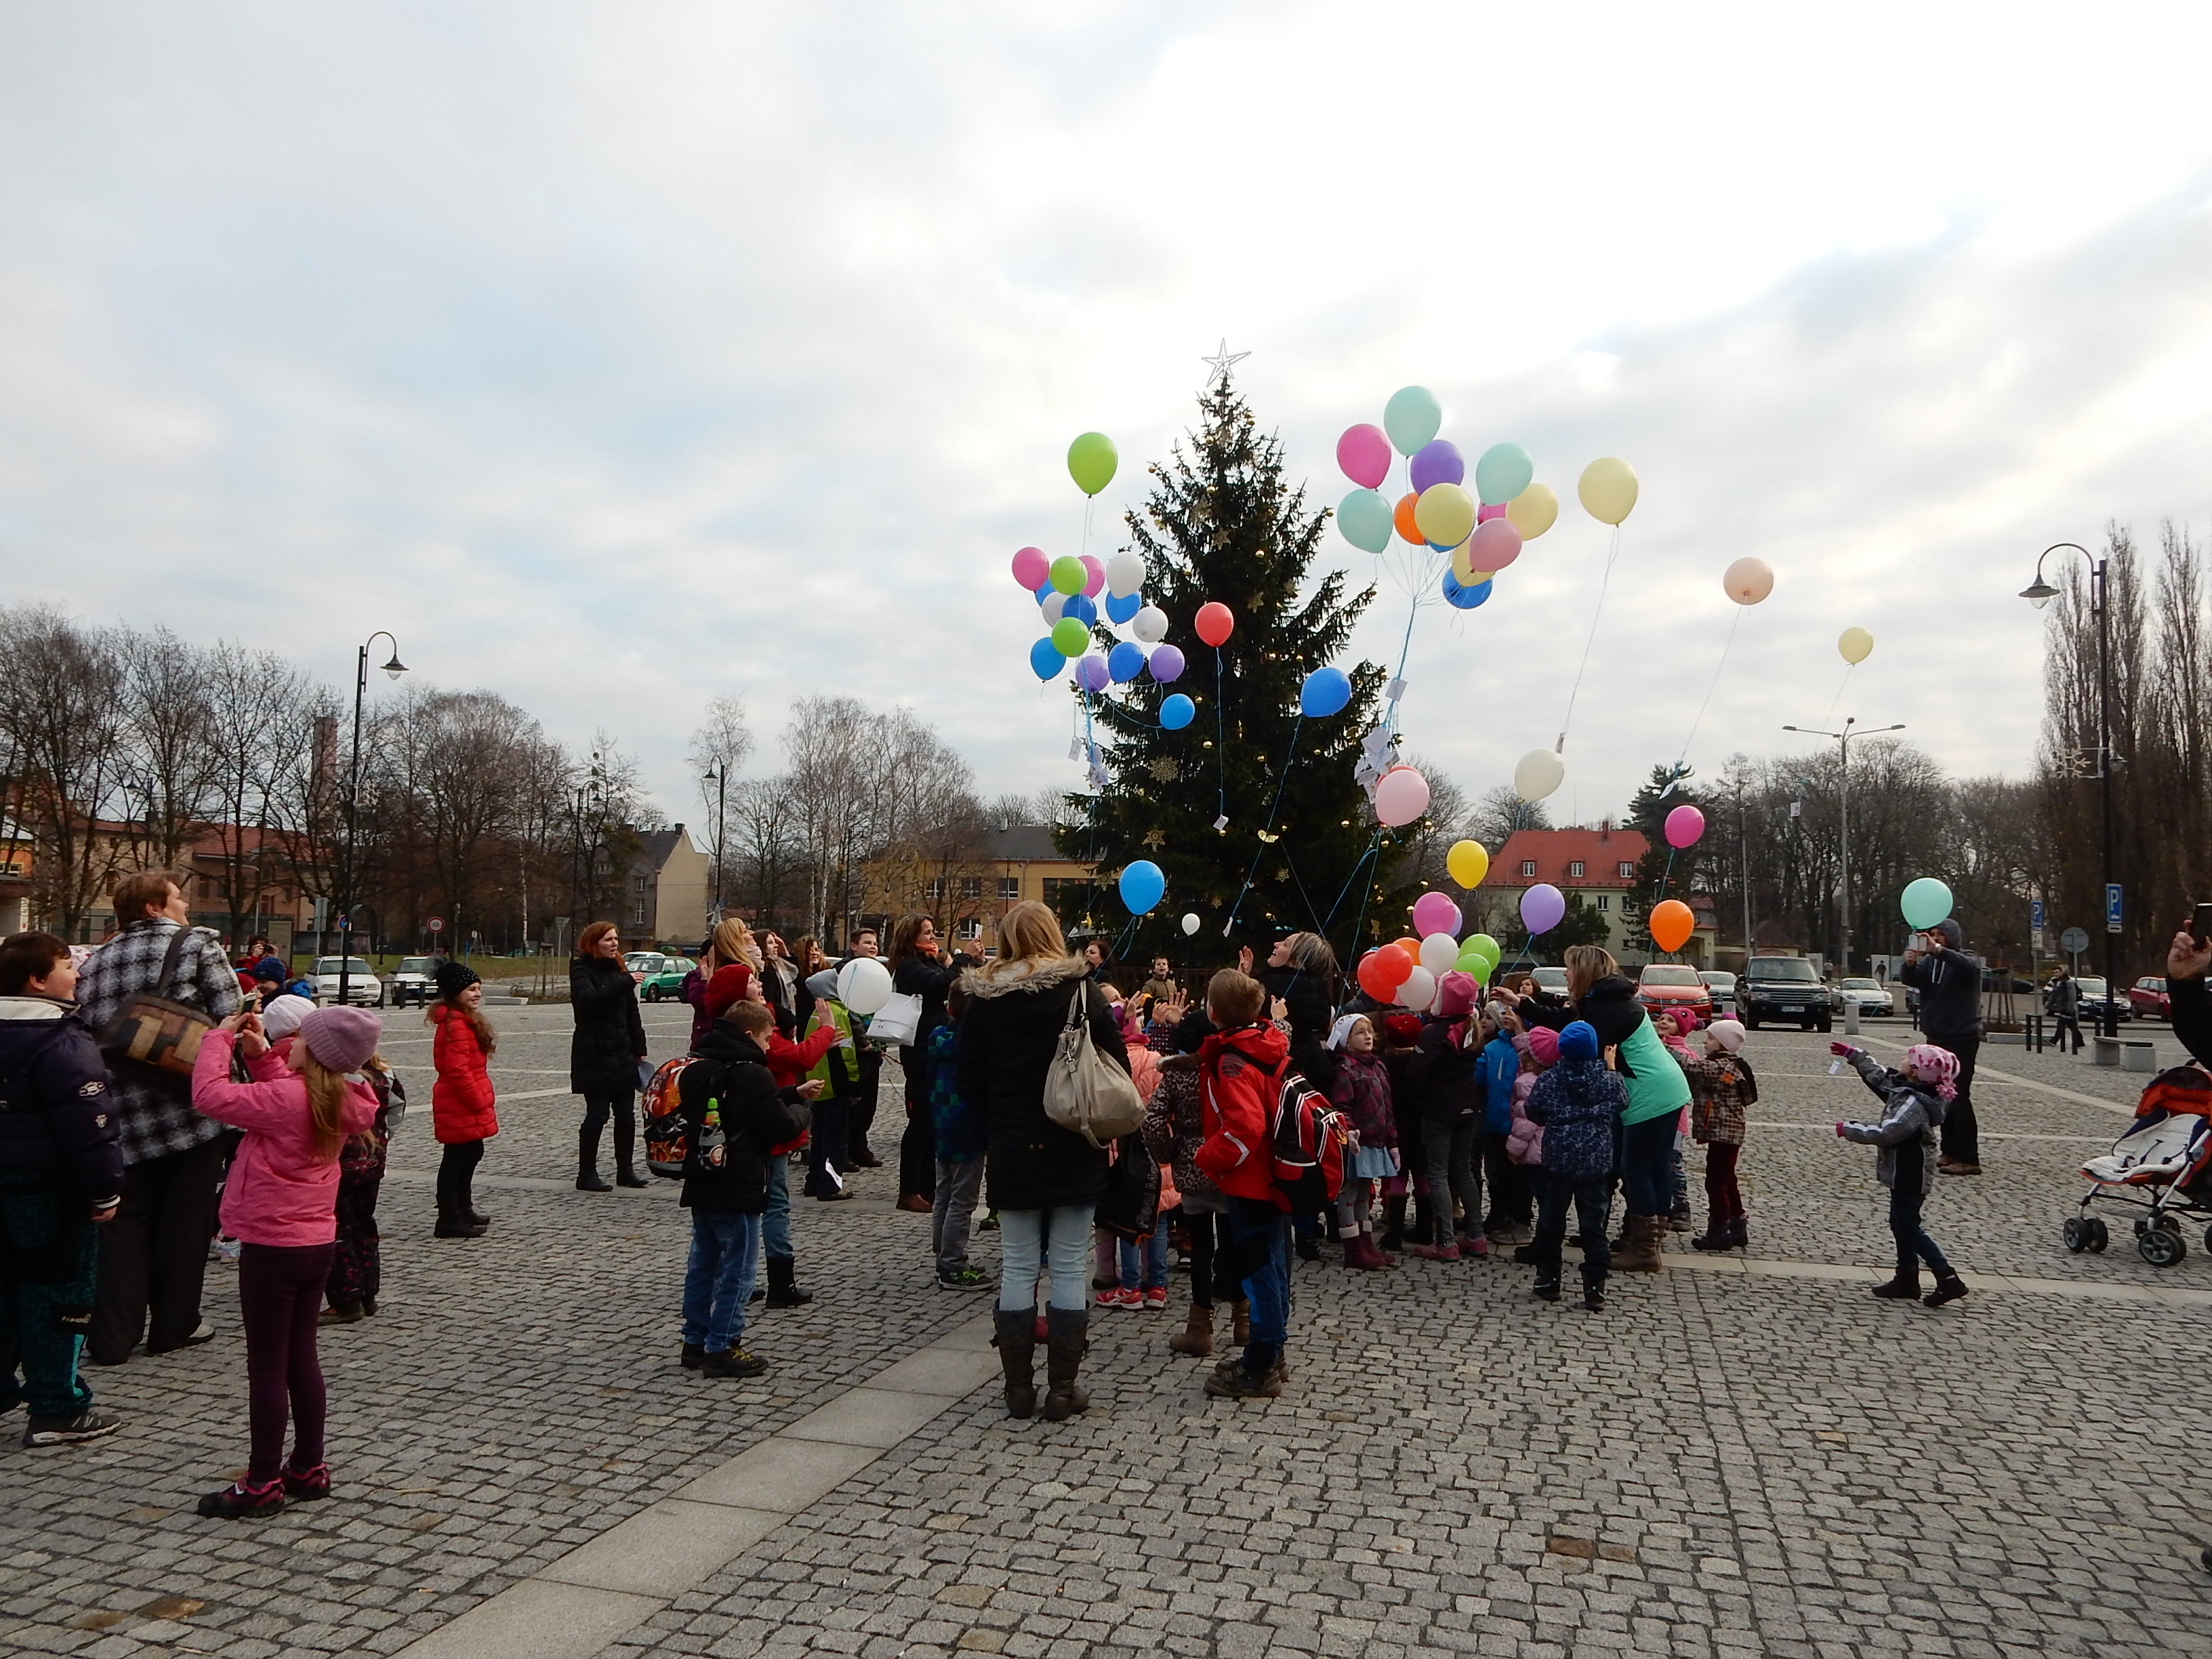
(2158, 1165)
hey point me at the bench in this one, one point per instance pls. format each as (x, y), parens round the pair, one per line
(2128, 1053)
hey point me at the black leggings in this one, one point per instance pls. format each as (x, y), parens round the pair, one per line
(457, 1172)
(623, 1108)
(1213, 1275)
(279, 1295)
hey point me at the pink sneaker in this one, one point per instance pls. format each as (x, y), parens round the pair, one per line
(1473, 1244)
(1156, 1297)
(1120, 1299)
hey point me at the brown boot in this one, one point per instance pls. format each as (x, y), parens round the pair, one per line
(1017, 1345)
(1641, 1253)
(1066, 1341)
(1195, 1338)
(1240, 1324)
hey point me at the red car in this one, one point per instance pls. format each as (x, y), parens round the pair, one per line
(1670, 985)
(2147, 999)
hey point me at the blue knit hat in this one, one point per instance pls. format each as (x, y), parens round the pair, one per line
(1578, 1042)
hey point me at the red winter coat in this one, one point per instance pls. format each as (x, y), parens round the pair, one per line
(789, 1062)
(1238, 1072)
(461, 1101)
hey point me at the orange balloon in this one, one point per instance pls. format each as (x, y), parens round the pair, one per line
(1412, 947)
(1403, 517)
(1671, 924)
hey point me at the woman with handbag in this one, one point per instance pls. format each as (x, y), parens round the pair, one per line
(604, 1053)
(918, 969)
(1045, 1181)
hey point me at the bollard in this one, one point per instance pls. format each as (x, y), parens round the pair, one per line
(1851, 1017)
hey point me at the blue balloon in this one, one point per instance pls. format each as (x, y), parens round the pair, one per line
(1175, 711)
(1121, 610)
(1464, 598)
(1126, 661)
(1081, 608)
(1142, 886)
(1045, 659)
(1046, 592)
(1325, 693)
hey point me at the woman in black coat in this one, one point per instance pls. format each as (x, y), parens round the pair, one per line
(1301, 970)
(604, 1053)
(919, 970)
(1045, 1182)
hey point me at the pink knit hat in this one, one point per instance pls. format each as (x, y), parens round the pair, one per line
(341, 1038)
(1544, 1045)
(1942, 1062)
(1455, 995)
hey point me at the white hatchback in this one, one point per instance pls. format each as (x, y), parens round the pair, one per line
(362, 987)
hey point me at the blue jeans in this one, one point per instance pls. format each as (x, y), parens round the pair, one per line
(1146, 1265)
(775, 1225)
(1913, 1244)
(725, 1259)
(1263, 1252)
(1647, 1173)
(1058, 1238)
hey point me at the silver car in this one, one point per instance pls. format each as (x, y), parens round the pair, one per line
(1873, 998)
(1723, 988)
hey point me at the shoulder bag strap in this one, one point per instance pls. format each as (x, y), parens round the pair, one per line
(166, 983)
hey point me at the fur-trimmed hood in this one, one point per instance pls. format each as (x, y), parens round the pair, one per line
(1004, 979)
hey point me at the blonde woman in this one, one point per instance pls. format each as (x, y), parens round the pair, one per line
(1045, 1182)
(732, 942)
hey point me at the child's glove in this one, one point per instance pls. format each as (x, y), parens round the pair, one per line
(1840, 1132)
(1844, 1049)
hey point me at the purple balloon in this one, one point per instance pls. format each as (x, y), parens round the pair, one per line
(1437, 462)
(1543, 907)
(1091, 673)
(1166, 663)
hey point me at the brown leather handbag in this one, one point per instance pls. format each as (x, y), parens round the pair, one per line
(156, 1039)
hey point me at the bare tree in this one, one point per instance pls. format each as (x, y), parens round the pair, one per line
(260, 732)
(1497, 812)
(721, 747)
(166, 764)
(61, 707)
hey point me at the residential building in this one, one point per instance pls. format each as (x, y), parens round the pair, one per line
(1598, 865)
(966, 899)
(667, 891)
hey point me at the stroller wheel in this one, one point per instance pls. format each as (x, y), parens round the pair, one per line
(2076, 1232)
(2162, 1247)
(2100, 1237)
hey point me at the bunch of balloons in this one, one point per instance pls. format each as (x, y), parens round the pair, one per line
(1069, 590)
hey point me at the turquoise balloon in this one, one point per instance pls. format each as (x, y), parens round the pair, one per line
(1925, 902)
(1364, 519)
(1503, 472)
(1411, 417)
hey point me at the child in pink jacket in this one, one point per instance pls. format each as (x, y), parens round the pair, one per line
(280, 1202)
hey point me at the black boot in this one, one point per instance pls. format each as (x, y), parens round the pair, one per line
(588, 1161)
(1394, 1224)
(1949, 1287)
(1066, 1340)
(1017, 1345)
(1547, 1282)
(1715, 1237)
(1905, 1287)
(626, 1173)
(1593, 1290)
(457, 1225)
(783, 1290)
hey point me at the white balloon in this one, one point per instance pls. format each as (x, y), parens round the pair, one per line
(1419, 991)
(1124, 575)
(1400, 796)
(1052, 605)
(1539, 774)
(864, 985)
(1438, 952)
(1150, 624)
(1190, 922)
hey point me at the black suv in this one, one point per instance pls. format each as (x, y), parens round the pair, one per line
(1783, 989)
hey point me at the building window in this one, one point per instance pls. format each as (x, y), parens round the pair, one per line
(1053, 885)
(637, 916)
(1605, 901)
(1575, 869)
(1627, 870)
(639, 883)
(971, 928)
(1010, 889)
(1529, 867)
(971, 887)
(936, 889)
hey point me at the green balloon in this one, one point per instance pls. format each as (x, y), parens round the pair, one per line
(1411, 417)
(1070, 637)
(1067, 574)
(1470, 960)
(1484, 942)
(1364, 519)
(1483, 969)
(1091, 461)
(1925, 903)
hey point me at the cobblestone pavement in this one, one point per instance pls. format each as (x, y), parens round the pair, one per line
(1722, 1463)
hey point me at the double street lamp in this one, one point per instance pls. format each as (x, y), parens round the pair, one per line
(2039, 593)
(347, 872)
(1843, 814)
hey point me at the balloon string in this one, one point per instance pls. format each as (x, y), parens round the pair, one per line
(1574, 690)
(1840, 684)
(1220, 747)
(1709, 688)
(1259, 852)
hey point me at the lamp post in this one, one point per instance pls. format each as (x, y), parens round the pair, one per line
(719, 772)
(2039, 593)
(395, 668)
(1844, 815)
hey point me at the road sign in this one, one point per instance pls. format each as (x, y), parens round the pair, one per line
(2112, 906)
(436, 924)
(2035, 915)
(2074, 941)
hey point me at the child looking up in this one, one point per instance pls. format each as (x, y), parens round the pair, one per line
(1361, 1091)
(1915, 1100)
(1575, 1104)
(1722, 1091)
(960, 1147)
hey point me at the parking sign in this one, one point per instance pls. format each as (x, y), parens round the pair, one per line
(2035, 917)
(2112, 906)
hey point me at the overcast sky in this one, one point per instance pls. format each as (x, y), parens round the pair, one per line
(618, 356)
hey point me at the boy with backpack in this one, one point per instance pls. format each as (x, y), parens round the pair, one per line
(738, 1124)
(1241, 1070)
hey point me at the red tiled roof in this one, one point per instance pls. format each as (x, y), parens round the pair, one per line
(1601, 852)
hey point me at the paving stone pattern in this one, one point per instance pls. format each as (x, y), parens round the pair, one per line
(1720, 1464)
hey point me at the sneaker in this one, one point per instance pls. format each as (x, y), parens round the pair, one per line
(1475, 1244)
(967, 1279)
(989, 1224)
(86, 1425)
(341, 1312)
(1309, 1249)
(1156, 1297)
(1949, 1287)
(1959, 1168)
(202, 1332)
(1118, 1297)
(243, 1499)
(736, 1363)
(305, 1485)
(224, 1250)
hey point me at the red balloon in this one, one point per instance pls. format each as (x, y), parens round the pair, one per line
(1214, 622)
(1381, 972)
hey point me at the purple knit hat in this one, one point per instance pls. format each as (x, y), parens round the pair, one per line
(343, 1039)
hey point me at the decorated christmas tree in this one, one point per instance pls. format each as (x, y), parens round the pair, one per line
(1253, 812)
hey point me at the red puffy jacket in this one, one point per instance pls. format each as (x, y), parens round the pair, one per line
(461, 1102)
(789, 1062)
(1239, 1071)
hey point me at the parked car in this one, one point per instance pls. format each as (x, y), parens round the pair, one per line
(1664, 985)
(1995, 979)
(1784, 988)
(643, 963)
(1873, 997)
(1723, 986)
(2094, 999)
(667, 980)
(362, 986)
(2148, 999)
(1552, 981)
(411, 981)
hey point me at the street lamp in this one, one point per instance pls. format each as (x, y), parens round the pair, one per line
(2040, 593)
(1843, 814)
(719, 772)
(394, 668)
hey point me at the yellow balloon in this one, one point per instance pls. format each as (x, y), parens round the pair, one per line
(1608, 489)
(1855, 644)
(1534, 511)
(1444, 514)
(1467, 863)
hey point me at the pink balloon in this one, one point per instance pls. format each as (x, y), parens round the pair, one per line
(1489, 511)
(1091, 588)
(1434, 913)
(1495, 545)
(1363, 453)
(1400, 796)
(1030, 568)
(1684, 825)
